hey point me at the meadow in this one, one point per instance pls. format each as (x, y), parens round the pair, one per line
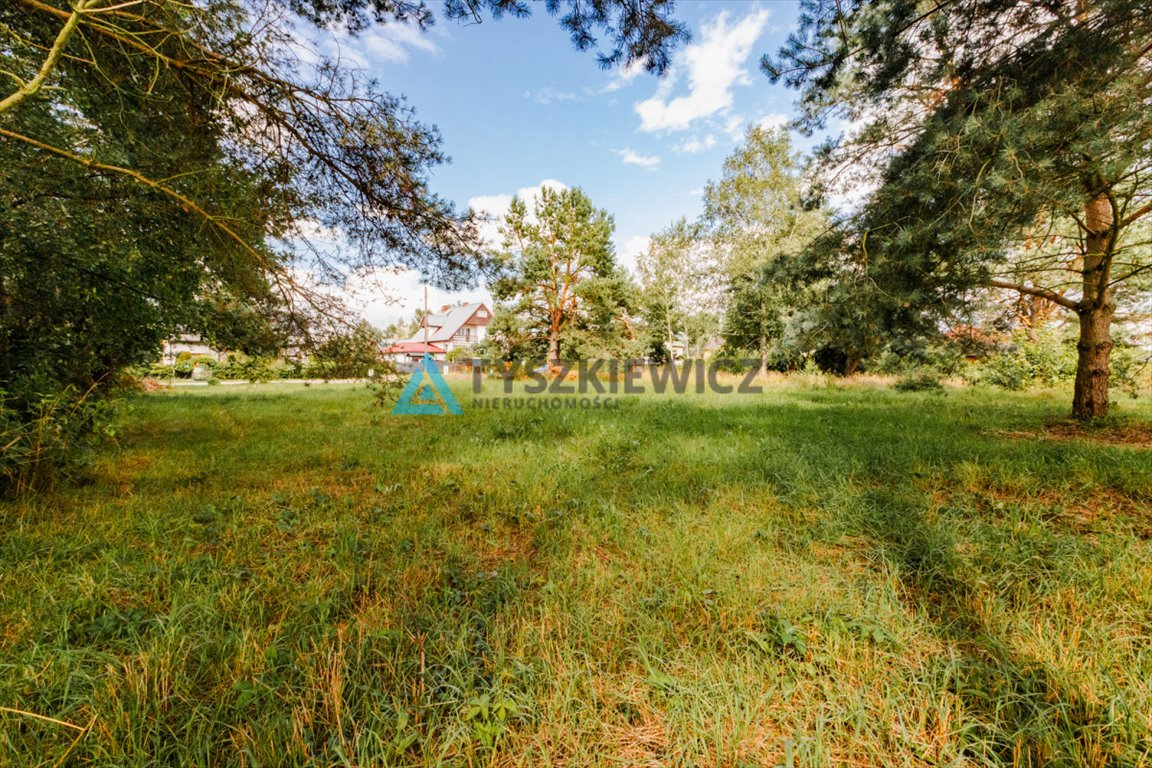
(820, 575)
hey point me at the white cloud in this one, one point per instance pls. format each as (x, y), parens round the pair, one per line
(735, 127)
(317, 233)
(529, 194)
(393, 43)
(774, 120)
(624, 76)
(712, 66)
(696, 144)
(385, 296)
(494, 207)
(630, 250)
(491, 205)
(549, 95)
(651, 162)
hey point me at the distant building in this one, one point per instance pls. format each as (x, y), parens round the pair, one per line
(185, 342)
(412, 351)
(454, 327)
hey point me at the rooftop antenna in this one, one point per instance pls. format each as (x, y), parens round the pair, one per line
(424, 320)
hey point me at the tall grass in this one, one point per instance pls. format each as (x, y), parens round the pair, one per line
(816, 576)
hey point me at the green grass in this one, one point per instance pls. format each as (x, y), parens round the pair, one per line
(817, 576)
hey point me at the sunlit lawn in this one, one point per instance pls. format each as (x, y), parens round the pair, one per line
(280, 575)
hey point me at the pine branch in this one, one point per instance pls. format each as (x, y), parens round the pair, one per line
(1042, 293)
(32, 87)
(1138, 213)
(188, 203)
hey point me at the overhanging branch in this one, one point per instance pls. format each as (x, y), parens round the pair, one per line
(1042, 293)
(1136, 214)
(188, 203)
(32, 87)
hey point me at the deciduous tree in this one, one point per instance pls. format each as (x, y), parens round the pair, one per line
(682, 286)
(162, 158)
(757, 218)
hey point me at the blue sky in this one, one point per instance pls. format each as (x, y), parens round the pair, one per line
(518, 106)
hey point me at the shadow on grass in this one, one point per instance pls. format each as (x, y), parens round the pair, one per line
(1024, 714)
(448, 525)
(869, 462)
(891, 457)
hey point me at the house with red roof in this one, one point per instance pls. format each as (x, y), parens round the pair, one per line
(460, 326)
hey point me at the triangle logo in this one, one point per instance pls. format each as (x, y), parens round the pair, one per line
(426, 393)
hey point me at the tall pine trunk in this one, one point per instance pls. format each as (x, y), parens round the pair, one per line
(1092, 365)
(1097, 307)
(554, 348)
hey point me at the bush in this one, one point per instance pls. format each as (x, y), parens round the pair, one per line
(922, 380)
(42, 437)
(241, 367)
(459, 355)
(1045, 361)
(351, 355)
(181, 368)
(943, 356)
(1130, 367)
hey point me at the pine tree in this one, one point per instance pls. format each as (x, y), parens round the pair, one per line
(982, 120)
(558, 270)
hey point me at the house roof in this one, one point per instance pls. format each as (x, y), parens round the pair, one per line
(443, 326)
(412, 348)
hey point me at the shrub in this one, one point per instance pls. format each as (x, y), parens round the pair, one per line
(241, 367)
(459, 355)
(351, 355)
(1043, 361)
(42, 437)
(944, 356)
(728, 364)
(1130, 367)
(921, 380)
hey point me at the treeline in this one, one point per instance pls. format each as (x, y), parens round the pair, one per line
(765, 273)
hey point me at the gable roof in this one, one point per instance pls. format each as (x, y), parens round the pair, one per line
(442, 327)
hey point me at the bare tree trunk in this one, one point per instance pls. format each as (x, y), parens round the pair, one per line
(1097, 307)
(554, 349)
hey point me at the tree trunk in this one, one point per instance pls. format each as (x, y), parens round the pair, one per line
(1094, 348)
(554, 349)
(1092, 365)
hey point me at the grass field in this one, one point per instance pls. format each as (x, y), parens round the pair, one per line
(815, 576)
